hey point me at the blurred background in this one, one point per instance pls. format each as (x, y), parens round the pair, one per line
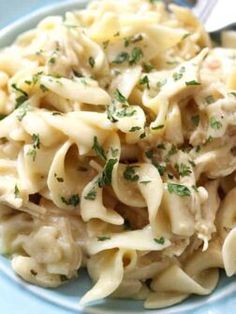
(9, 12)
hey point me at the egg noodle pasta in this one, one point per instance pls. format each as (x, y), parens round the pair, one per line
(117, 152)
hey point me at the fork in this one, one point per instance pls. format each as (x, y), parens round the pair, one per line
(216, 15)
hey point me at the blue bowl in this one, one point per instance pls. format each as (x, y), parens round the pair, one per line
(17, 296)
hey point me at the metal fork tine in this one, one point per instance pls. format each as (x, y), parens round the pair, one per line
(204, 8)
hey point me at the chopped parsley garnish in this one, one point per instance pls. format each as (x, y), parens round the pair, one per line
(43, 88)
(16, 191)
(55, 113)
(161, 83)
(77, 74)
(36, 145)
(233, 93)
(161, 146)
(135, 128)
(136, 55)
(195, 120)
(192, 163)
(130, 174)
(132, 39)
(149, 154)
(33, 272)
(52, 60)
(194, 187)
(161, 240)
(179, 189)
(92, 194)
(158, 127)
(59, 179)
(121, 58)
(91, 62)
(105, 44)
(119, 97)
(98, 149)
(22, 111)
(106, 176)
(161, 169)
(215, 124)
(22, 98)
(192, 83)
(114, 152)
(64, 278)
(126, 112)
(103, 238)
(73, 200)
(143, 135)
(178, 75)
(145, 182)
(186, 35)
(209, 99)
(198, 148)
(145, 81)
(147, 67)
(183, 170)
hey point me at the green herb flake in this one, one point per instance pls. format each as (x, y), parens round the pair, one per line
(119, 97)
(73, 200)
(98, 149)
(194, 187)
(195, 120)
(161, 146)
(43, 88)
(149, 154)
(145, 182)
(143, 135)
(130, 174)
(161, 169)
(135, 128)
(183, 170)
(121, 58)
(126, 112)
(22, 111)
(178, 75)
(16, 192)
(145, 81)
(64, 278)
(179, 189)
(192, 83)
(136, 55)
(36, 145)
(55, 113)
(186, 35)
(92, 194)
(158, 127)
(197, 148)
(106, 176)
(192, 163)
(59, 179)
(114, 152)
(215, 124)
(105, 44)
(161, 83)
(209, 99)
(148, 67)
(52, 60)
(103, 238)
(233, 94)
(91, 62)
(160, 240)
